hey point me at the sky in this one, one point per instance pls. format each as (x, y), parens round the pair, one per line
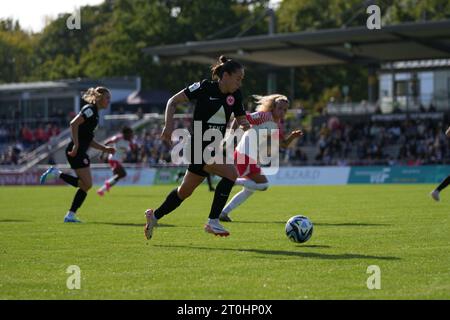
(32, 14)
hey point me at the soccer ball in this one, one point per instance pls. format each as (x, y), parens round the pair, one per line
(299, 229)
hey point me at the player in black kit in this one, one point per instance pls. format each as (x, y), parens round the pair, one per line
(435, 193)
(215, 102)
(82, 130)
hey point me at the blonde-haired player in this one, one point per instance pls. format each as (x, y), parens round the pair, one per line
(270, 113)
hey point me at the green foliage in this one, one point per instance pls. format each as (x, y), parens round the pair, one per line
(114, 33)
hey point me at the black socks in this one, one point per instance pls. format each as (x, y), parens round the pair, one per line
(443, 184)
(78, 200)
(171, 203)
(221, 195)
(67, 178)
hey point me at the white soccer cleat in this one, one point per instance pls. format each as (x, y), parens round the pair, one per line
(216, 228)
(435, 195)
(151, 223)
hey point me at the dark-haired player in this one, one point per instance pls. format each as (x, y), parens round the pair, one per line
(215, 100)
(435, 193)
(123, 143)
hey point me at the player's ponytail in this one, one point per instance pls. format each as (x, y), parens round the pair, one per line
(267, 103)
(93, 95)
(224, 65)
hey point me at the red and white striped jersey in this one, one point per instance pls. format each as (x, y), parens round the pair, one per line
(122, 147)
(258, 120)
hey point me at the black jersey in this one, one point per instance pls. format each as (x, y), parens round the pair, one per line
(86, 130)
(214, 108)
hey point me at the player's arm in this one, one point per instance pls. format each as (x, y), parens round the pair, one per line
(447, 133)
(243, 122)
(294, 134)
(74, 124)
(94, 144)
(171, 106)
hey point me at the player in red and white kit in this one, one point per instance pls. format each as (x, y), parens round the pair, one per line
(123, 143)
(269, 115)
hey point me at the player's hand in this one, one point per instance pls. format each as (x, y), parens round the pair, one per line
(111, 150)
(166, 135)
(245, 126)
(73, 152)
(297, 133)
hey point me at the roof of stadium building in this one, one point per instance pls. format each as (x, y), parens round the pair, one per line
(401, 42)
(118, 82)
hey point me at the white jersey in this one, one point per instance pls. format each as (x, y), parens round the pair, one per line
(251, 142)
(122, 147)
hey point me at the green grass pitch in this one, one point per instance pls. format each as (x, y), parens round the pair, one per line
(396, 227)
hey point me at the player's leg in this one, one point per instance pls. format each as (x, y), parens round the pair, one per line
(210, 184)
(190, 182)
(435, 193)
(119, 172)
(85, 183)
(53, 171)
(254, 182)
(229, 175)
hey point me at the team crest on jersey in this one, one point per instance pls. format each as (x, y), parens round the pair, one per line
(86, 161)
(230, 100)
(194, 86)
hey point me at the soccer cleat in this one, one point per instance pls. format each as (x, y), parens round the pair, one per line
(107, 185)
(100, 192)
(435, 195)
(71, 220)
(216, 229)
(225, 218)
(44, 176)
(151, 223)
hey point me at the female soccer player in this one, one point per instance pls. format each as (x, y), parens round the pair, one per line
(269, 114)
(215, 102)
(123, 143)
(82, 131)
(435, 193)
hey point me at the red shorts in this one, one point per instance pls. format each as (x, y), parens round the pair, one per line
(114, 164)
(248, 167)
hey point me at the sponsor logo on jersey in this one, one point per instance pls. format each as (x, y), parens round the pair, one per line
(218, 117)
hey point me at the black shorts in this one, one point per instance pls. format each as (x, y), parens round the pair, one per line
(81, 160)
(198, 169)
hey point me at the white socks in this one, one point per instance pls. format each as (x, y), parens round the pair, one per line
(238, 199)
(250, 184)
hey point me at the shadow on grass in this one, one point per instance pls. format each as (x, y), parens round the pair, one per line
(352, 224)
(14, 220)
(344, 256)
(160, 225)
(345, 224)
(313, 246)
